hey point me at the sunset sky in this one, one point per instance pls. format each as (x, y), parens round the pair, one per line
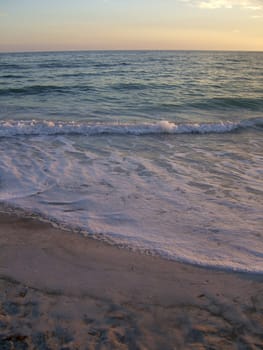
(27, 25)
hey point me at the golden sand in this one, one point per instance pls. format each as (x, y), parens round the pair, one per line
(60, 290)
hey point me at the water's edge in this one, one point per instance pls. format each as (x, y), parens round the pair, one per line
(10, 209)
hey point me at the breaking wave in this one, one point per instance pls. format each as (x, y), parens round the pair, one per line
(37, 128)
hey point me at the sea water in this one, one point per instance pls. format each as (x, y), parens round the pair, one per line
(159, 152)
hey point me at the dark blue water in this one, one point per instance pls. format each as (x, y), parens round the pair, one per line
(160, 152)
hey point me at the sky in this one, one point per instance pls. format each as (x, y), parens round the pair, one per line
(47, 25)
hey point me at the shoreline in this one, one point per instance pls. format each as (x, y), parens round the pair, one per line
(20, 213)
(59, 289)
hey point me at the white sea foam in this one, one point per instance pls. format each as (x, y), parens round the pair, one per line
(174, 197)
(23, 128)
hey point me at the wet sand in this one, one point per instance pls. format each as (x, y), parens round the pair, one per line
(59, 290)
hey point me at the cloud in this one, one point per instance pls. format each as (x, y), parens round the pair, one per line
(216, 4)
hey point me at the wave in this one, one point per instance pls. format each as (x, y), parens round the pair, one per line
(5, 65)
(225, 103)
(87, 64)
(43, 89)
(129, 86)
(12, 76)
(13, 128)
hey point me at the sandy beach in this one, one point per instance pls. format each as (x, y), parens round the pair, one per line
(60, 290)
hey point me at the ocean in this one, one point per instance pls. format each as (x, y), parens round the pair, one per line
(158, 152)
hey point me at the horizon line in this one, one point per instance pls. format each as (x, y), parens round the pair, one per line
(130, 50)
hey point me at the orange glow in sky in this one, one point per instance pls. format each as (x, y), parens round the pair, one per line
(131, 24)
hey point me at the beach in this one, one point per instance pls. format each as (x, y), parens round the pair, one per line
(131, 200)
(60, 290)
